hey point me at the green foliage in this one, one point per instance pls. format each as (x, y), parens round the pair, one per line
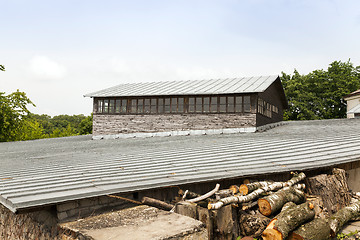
(13, 114)
(2, 68)
(319, 94)
(18, 124)
(85, 126)
(345, 236)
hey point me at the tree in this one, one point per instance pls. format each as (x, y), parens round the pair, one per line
(319, 94)
(85, 126)
(13, 112)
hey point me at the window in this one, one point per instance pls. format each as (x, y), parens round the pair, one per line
(147, 105)
(106, 106)
(140, 106)
(206, 104)
(153, 105)
(160, 105)
(222, 106)
(213, 104)
(173, 105)
(133, 106)
(167, 105)
(180, 105)
(123, 106)
(112, 106)
(100, 106)
(191, 105)
(199, 106)
(117, 106)
(239, 104)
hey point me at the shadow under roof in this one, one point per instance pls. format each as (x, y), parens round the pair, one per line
(49, 171)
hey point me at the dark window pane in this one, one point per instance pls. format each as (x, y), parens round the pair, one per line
(118, 106)
(238, 104)
(246, 103)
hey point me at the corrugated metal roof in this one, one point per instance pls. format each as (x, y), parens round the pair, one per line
(48, 171)
(191, 87)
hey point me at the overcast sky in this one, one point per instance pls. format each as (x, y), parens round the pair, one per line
(57, 51)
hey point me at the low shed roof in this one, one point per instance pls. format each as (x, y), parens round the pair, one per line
(48, 171)
(190, 87)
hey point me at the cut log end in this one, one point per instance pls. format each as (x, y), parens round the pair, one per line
(311, 206)
(234, 188)
(271, 234)
(264, 207)
(243, 189)
(295, 236)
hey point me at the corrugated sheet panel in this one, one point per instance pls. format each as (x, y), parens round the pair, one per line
(36, 173)
(213, 86)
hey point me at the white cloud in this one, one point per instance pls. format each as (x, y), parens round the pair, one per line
(44, 67)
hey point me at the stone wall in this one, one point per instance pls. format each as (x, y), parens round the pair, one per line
(34, 225)
(117, 124)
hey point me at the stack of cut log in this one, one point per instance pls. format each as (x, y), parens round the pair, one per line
(272, 210)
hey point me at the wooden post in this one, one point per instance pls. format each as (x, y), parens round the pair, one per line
(187, 209)
(226, 225)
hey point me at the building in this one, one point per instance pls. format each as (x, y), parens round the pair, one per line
(184, 107)
(353, 104)
(49, 181)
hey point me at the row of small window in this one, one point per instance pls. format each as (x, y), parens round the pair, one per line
(222, 104)
(266, 108)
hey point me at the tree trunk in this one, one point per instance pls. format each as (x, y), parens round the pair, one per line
(333, 189)
(289, 219)
(226, 225)
(344, 215)
(247, 198)
(156, 203)
(274, 202)
(317, 229)
(245, 189)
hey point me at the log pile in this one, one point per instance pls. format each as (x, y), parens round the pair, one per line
(273, 210)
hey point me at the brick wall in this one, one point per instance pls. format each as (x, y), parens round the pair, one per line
(116, 124)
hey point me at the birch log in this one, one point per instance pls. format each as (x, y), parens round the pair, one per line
(344, 215)
(274, 202)
(289, 219)
(247, 198)
(245, 189)
(206, 195)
